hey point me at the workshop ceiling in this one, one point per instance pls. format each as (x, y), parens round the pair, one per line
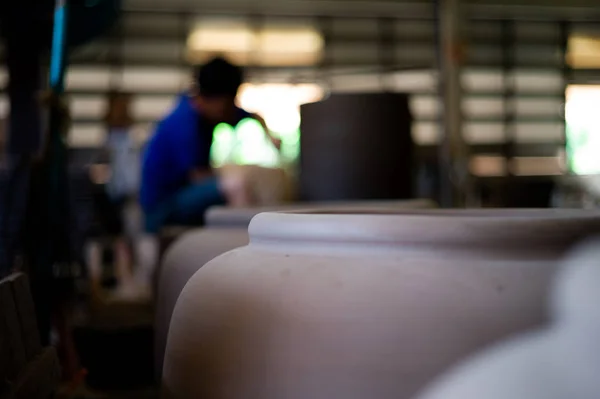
(525, 8)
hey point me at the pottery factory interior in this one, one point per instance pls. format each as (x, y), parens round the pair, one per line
(403, 209)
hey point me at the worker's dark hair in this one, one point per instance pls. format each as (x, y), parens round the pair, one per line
(218, 77)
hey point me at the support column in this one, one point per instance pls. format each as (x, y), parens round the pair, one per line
(23, 28)
(387, 47)
(567, 74)
(455, 181)
(325, 25)
(24, 31)
(508, 66)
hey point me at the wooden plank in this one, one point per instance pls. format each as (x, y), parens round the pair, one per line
(5, 348)
(9, 316)
(27, 316)
(39, 379)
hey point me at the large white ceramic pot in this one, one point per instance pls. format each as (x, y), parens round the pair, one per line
(327, 305)
(559, 361)
(227, 229)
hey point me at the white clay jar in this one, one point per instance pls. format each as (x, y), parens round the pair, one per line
(560, 361)
(332, 305)
(226, 229)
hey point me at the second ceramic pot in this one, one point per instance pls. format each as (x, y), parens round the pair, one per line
(354, 306)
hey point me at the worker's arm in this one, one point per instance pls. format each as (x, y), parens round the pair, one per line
(274, 140)
(242, 114)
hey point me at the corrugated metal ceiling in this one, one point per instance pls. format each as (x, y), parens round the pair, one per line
(530, 9)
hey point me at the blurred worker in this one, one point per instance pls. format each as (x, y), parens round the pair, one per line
(178, 184)
(120, 190)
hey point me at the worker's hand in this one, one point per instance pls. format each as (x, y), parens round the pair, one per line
(275, 141)
(197, 175)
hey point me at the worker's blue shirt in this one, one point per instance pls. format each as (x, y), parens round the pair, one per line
(181, 143)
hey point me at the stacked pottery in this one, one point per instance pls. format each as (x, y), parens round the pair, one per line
(561, 361)
(365, 305)
(226, 229)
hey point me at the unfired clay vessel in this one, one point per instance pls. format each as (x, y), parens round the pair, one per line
(362, 306)
(561, 361)
(227, 229)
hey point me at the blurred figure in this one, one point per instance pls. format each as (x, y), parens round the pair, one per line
(122, 185)
(50, 260)
(178, 184)
(120, 190)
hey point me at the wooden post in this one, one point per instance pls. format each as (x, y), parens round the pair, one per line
(454, 158)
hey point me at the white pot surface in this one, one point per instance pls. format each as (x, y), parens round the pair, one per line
(334, 305)
(226, 230)
(559, 361)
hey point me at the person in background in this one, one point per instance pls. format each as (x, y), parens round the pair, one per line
(178, 184)
(120, 189)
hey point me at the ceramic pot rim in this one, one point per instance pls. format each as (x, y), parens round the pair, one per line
(531, 229)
